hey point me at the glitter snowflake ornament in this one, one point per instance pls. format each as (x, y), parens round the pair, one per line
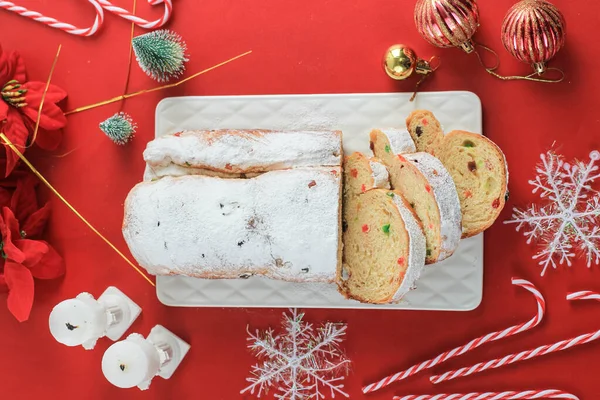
(569, 224)
(300, 364)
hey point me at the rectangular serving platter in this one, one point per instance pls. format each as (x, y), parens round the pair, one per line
(455, 284)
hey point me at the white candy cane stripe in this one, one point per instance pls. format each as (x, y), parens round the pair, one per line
(584, 295)
(72, 29)
(121, 12)
(473, 344)
(513, 358)
(525, 395)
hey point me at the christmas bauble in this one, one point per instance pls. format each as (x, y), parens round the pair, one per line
(534, 31)
(399, 62)
(448, 23)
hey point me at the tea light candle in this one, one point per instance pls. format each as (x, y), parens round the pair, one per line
(131, 362)
(83, 320)
(135, 360)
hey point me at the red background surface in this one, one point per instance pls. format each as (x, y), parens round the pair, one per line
(313, 46)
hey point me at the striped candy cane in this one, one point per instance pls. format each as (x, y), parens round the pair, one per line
(473, 344)
(121, 12)
(53, 23)
(100, 6)
(584, 295)
(525, 395)
(513, 358)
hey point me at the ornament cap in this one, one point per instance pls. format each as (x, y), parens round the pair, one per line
(539, 67)
(468, 47)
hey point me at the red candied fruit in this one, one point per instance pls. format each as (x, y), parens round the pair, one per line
(228, 166)
(401, 158)
(177, 134)
(496, 203)
(425, 122)
(428, 188)
(354, 172)
(468, 194)
(365, 228)
(363, 188)
(401, 261)
(312, 183)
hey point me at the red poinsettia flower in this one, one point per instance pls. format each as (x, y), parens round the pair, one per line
(23, 255)
(19, 104)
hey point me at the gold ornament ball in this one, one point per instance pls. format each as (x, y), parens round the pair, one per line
(399, 62)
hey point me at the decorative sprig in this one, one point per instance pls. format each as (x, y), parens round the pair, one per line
(161, 54)
(120, 128)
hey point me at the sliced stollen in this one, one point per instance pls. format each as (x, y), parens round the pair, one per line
(244, 151)
(425, 130)
(363, 174)
(399, 141)
(384, 245)
(480, 172)
(429, 189)
(281, 224)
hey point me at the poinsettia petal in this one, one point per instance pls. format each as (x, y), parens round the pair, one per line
(51, 266)
(17, 133)
(11, 67)
(3, 286)
(49, 140)
(5, 197)
(52, 116)
(3, 110)
(34, 251)
(35, 224)
(24, 200)
(7, 228)
(21, 288)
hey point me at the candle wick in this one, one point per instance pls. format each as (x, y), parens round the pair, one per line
(71, 327)
(122, 367)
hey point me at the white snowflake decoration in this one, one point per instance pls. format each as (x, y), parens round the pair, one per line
(302, 363)
(570, 222)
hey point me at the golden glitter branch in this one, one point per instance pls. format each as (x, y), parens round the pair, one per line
(7, 142)
(171, 85)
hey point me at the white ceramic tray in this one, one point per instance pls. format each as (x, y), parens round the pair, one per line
(454, 284)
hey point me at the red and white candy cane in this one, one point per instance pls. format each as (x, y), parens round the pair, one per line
(100, 6)
(525, 395)
(584, 295)
(54, 23)
(473, 344)
(142, 23)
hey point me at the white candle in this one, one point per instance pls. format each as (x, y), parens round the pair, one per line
(78, 321)
(132, 362)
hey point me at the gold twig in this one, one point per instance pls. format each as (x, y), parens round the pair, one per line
(129, 59)
(39, 116)
(85, 221)
(171, 85)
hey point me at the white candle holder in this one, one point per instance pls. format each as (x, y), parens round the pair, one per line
(83, 320)
(135, 360)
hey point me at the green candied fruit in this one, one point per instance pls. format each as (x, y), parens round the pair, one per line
(387, 148)
(428, 252)
(468, 143)
(188, 164)
(386, 229)
(390, 194)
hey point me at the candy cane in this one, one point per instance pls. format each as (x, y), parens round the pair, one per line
(584, 295)
(525, 395)
(513, 358)
(73, 30)
(121, 12)
(473, 344)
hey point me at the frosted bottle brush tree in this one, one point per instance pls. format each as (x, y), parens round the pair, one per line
(119, 128)
(161, 54)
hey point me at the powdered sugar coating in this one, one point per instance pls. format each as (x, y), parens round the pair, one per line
(281, 224)
(381, 177)
(240, 151)
(446, 196)
(400, 140)
(416, 249)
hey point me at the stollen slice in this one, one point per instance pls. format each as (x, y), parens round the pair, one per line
(429, 189)
(425, 130)
(384, 245)
(480, 172)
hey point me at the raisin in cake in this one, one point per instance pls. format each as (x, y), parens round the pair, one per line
(384, 245)
(425, 130)
(429, 189)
